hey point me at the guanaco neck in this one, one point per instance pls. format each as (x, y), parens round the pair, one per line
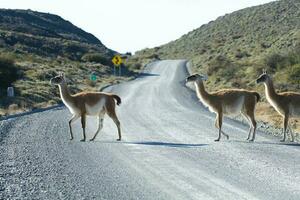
(201, 92)
(269, 89)
(65, 94)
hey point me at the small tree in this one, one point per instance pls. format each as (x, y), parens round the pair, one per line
(294, 75)
(97, 58)
(274, 60)
(8, 71)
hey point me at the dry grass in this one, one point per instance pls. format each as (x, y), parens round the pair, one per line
(33, 90)
(14, 109)
(266, 113)
(2, 112)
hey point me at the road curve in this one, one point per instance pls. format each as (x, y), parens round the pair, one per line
(167, 151)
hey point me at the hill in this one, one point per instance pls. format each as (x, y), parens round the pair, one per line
(34, 46)
(233, 49)
(44, 34)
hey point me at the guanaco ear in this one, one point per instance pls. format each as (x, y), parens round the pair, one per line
(264, 71)
(62, 74)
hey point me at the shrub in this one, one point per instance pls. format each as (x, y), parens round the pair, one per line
(219, 62)
(153, 56)
(90, 83)
(293, 57)
(12, 108)
(278, 61)
(294, 74)
(241, 54)
(134, 66)
(274, 60)
(73, 47)
(97, 58)
(46, 74)
(8, 71)
(265, 45)
(137, 66)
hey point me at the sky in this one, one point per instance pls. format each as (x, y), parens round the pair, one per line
(131, 25)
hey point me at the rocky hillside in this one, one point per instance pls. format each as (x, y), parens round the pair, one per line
(34, 46)
(44, 34)
(233, 49)
(241, 41)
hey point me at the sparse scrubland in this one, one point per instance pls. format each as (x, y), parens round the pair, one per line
(235, 48)
(35, 46)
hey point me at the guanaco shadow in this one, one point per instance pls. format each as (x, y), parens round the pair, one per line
(147, 74)
(163, 144)
(292, 144)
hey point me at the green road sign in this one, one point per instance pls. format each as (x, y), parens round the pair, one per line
(93, 77)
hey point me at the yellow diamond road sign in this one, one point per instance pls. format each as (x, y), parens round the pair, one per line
(117, 60)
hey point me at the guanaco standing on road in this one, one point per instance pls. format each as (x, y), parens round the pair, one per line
(88, 103)
(287, 104)
(227, 102)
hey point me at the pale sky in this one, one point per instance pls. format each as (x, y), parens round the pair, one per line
(131, 25)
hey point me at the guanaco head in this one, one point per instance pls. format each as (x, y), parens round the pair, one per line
(58, 80)
(196, 77)
(263, 77)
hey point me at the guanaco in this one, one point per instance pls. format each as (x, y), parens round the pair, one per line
(287, 104)
(227, 102)
(88, 103)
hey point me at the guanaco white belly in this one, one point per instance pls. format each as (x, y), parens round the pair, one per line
(95, 109)
(234, 108)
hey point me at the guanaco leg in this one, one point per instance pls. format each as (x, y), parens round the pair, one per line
(83, 124)
(74, 118)
(100, 125)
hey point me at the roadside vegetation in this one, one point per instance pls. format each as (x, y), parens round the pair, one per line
(31, 54)
(30, 75)
(235, 48)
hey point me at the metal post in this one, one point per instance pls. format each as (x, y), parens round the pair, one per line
(120, 70)
(10, 92)
(114, 70)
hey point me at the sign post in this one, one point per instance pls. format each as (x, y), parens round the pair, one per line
(10, 92)
(117, 60)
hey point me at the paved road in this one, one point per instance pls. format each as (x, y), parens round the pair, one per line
(167, 152)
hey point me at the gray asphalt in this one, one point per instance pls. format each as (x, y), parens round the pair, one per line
(167, 151)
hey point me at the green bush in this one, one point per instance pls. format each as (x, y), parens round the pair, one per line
(275, 60)
(133, 66)
(219, 62)
(8, 71)
(294, 74)
(97, 58)
(46, 74)
(293, 57)
(241, 54)
(278, 61)
(153, 56)
(73, 47)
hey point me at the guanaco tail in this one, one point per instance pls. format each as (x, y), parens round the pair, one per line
(227, 102)
(287, 104)
(88, 103)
